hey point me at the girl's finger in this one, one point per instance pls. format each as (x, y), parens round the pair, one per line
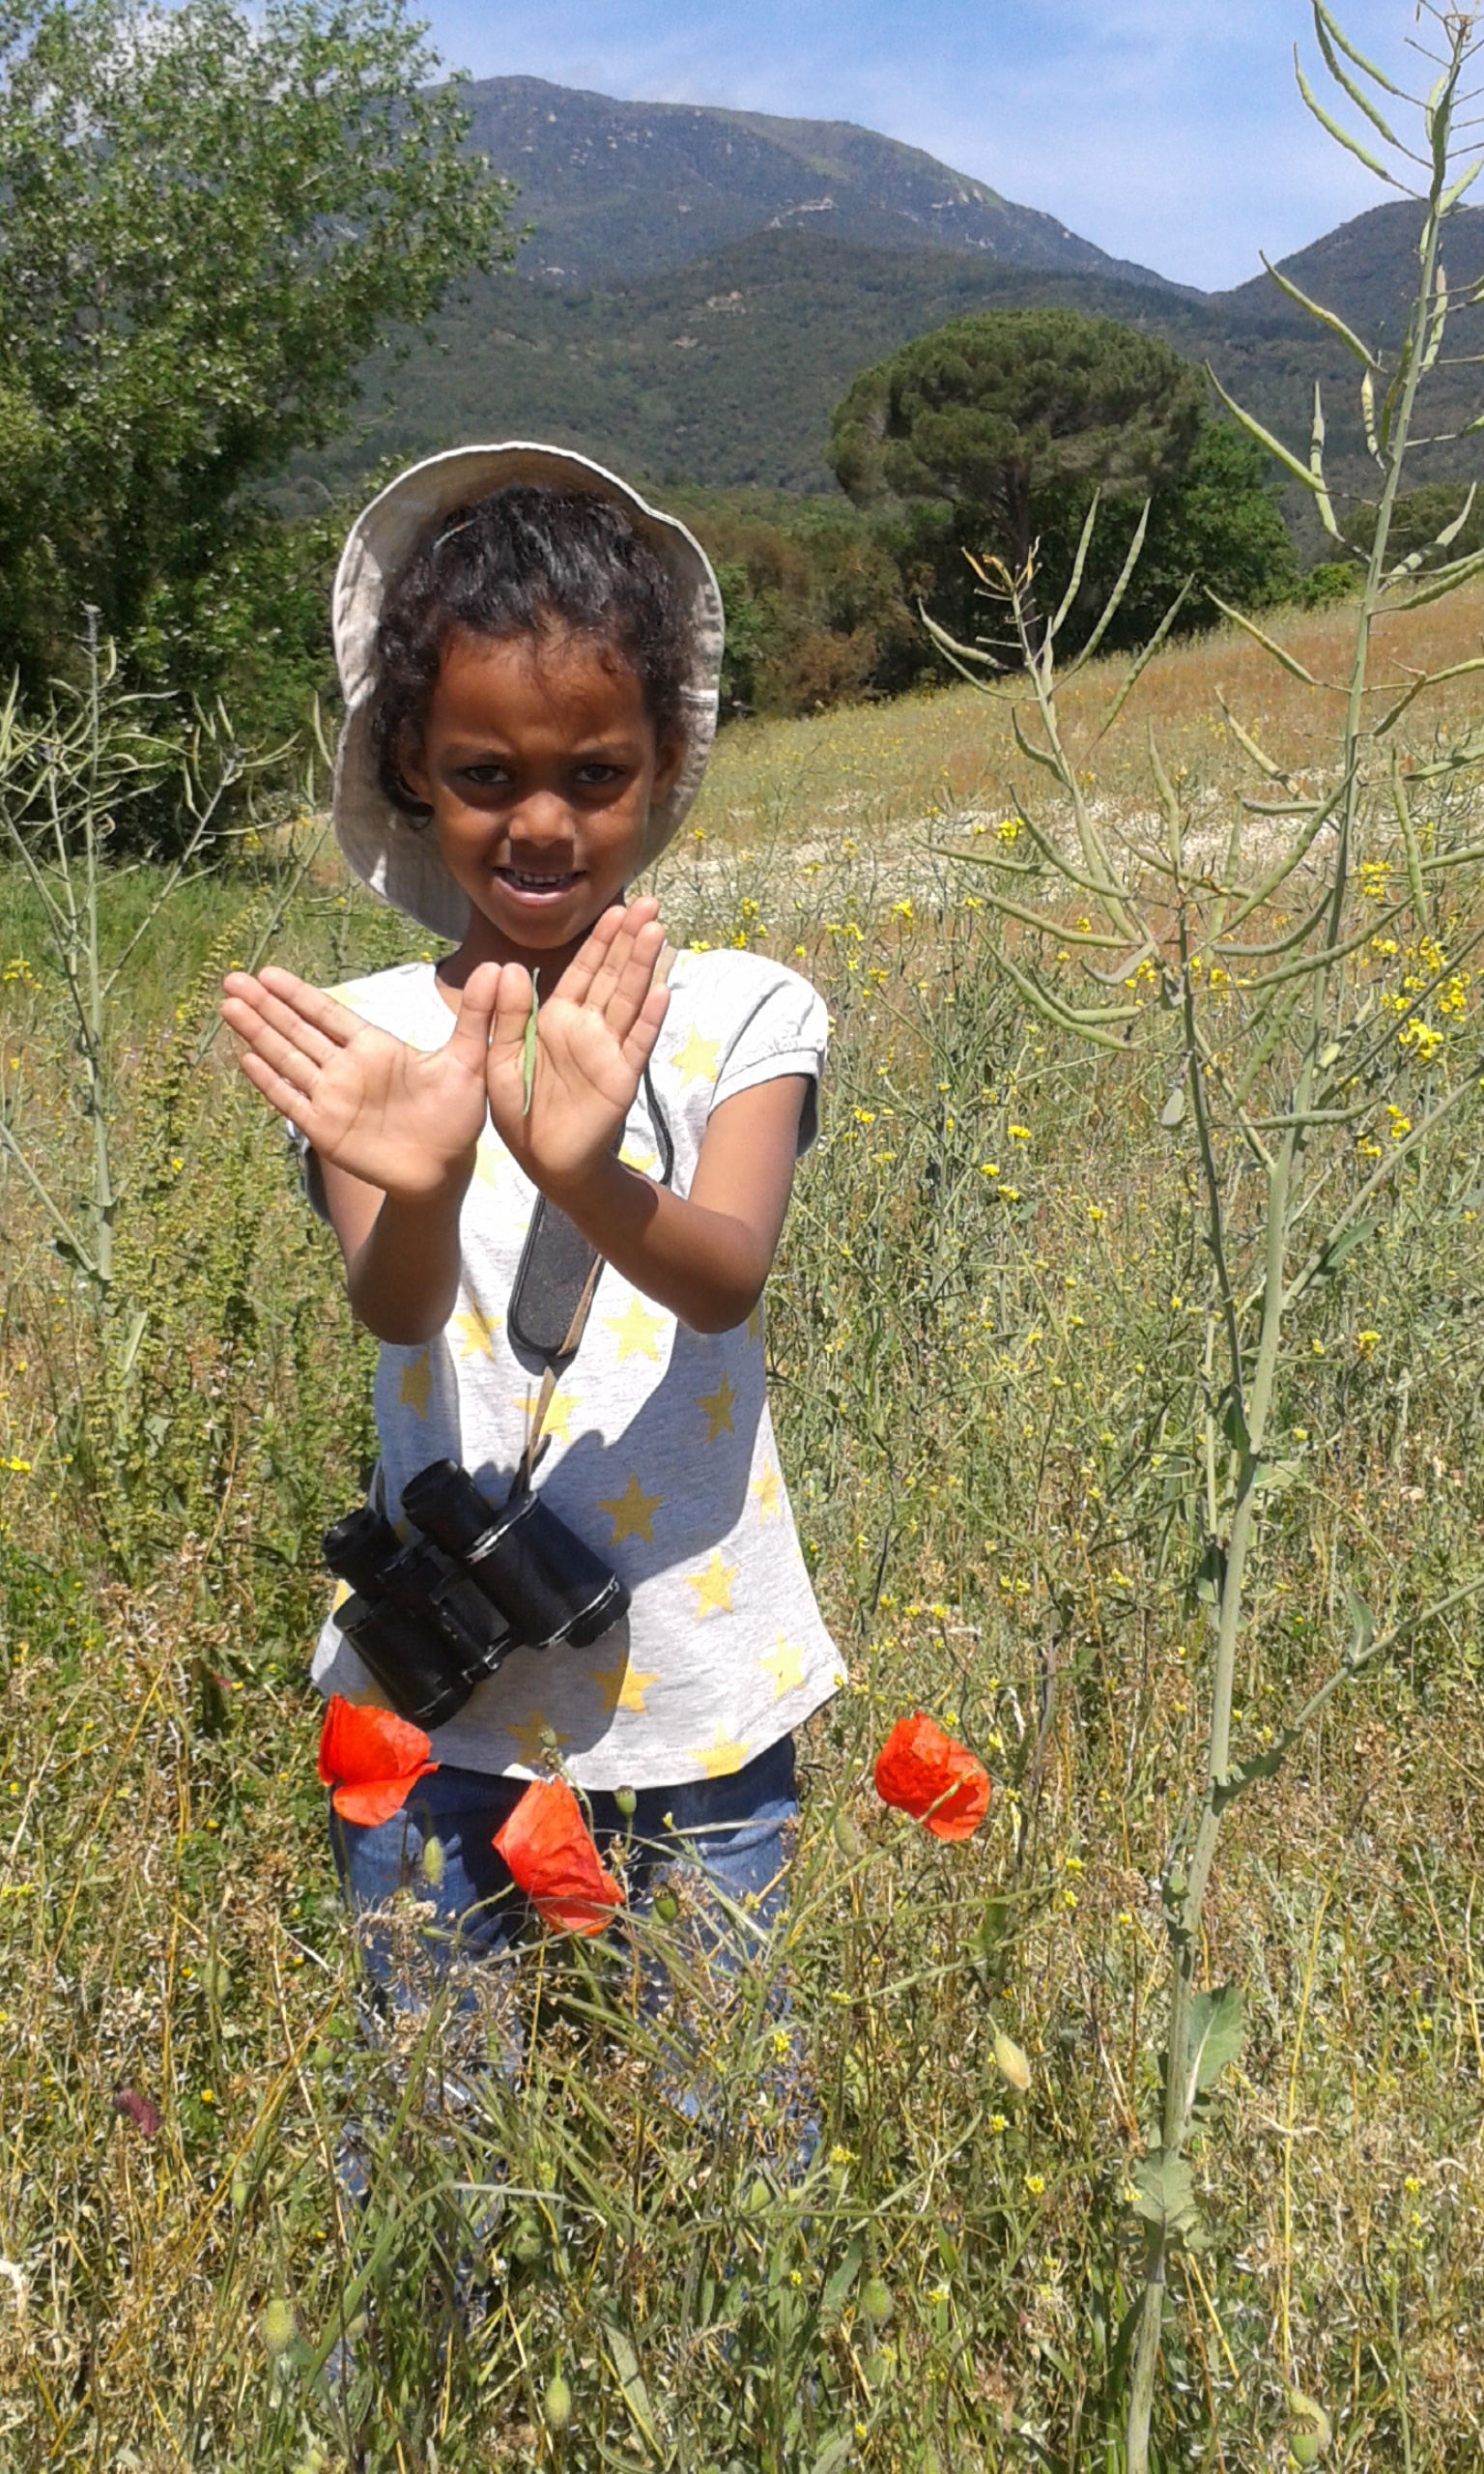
(575, 981)
(638, 929)
(311, 1004)
(285, 1060)
(266, 1007)
(511, 1014)
(470, 1038)
(632, 979)
(639, 1038)
(279, 1094)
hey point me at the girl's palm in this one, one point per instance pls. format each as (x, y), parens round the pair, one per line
(594, 1035)
(390, 1114)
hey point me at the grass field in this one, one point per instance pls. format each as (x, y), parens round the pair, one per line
(986, 1386)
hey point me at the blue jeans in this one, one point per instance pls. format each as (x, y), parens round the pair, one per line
(729, 1834)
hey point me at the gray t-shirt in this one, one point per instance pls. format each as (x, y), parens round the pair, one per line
(661, 1454)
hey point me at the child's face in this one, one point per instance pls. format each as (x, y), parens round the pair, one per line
(539, 761)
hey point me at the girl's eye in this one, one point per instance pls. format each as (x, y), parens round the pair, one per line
(597, 776)
(486, 776)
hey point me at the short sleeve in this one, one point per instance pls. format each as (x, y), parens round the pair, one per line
(786, 1031)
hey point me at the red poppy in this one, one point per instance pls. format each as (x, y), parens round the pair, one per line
(552, 1859)
(372, 1759)
(924, 1772)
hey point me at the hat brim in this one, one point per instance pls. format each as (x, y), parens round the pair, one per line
(395, 857)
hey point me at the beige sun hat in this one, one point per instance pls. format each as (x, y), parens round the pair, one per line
(388, 852)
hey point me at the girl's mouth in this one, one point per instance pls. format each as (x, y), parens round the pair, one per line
(536, 884)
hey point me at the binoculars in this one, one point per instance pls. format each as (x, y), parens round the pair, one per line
(431, 1620)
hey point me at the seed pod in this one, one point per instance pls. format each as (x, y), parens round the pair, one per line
(527, 2242)
(848, 1839)
(278, 2327)
(876, 2304)
(432, 1863)
(1011, 2062)
(238, 2194)
(1311, 2433)
(558, 2402)
(625, 1799)
(667, 1906)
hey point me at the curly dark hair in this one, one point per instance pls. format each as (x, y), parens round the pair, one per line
(526, 561)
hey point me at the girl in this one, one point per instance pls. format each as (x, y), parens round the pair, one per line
(529, 656)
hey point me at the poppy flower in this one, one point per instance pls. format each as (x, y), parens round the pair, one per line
(552, 1859)
(372, 1759)
(924, 1772)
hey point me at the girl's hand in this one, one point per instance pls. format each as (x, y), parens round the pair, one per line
(384, 1112)
(595, 1032)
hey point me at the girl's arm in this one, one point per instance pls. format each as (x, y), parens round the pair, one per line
(706, 1255)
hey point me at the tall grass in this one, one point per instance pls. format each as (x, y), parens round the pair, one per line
(976, 1340)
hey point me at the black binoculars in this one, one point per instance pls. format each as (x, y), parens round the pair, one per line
(431, 1620)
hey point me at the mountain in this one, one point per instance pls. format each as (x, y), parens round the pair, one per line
(616, 191)
(690, 309)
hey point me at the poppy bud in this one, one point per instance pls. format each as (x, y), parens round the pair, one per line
(848, 1839)
(277, 2326)
(667, 1906)
(557, 2403)
(1011, 2062)
(432, 1863)
(1311, 2433)
(625, 1799)
(876, 2304)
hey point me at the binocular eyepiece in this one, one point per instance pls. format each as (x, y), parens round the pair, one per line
(432, 1618)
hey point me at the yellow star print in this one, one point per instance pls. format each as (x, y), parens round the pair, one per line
(717, 1407)
(417, 1384)
(478, 1333)
(755, 1322)
(560, 1415)
(713, 1587)
(632, 1512)
(623, 1686)
(721, 1756)
(641, 1161)
(766, 1489)
(529, 1737)
(487, 1160)
(636, 1332)
(785, 1665)
(695, 1062)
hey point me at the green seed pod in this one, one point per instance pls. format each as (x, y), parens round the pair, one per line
(557, 2403)
(1011, 2062)
(527, 2242)
(432, 1863)
(625, 1799)
(848, 1839)
(217, 1979)
(667, 1906)
(238, 2194)
(876, 2304)
(1311, 2433)
(278, 2327)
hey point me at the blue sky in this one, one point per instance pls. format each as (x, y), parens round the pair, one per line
(1166, 131)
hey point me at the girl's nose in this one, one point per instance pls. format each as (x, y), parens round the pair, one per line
(542, 819)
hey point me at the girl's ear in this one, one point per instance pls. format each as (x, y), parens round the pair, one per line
(411, 766)
(669, 758)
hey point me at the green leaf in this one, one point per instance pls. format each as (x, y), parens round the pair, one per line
(1210, 1575)
(1164, 2194)
(1362, 1628)
(1217, 2025)
(636, 2395)
(1341, 1247)
(835, 2453)
(1234, 1423)
(1275, 1476)
(837, 2291)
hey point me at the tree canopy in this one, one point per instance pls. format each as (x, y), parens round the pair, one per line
(207, 216)
(998, 410)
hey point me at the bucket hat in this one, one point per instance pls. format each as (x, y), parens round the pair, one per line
(388, 852)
